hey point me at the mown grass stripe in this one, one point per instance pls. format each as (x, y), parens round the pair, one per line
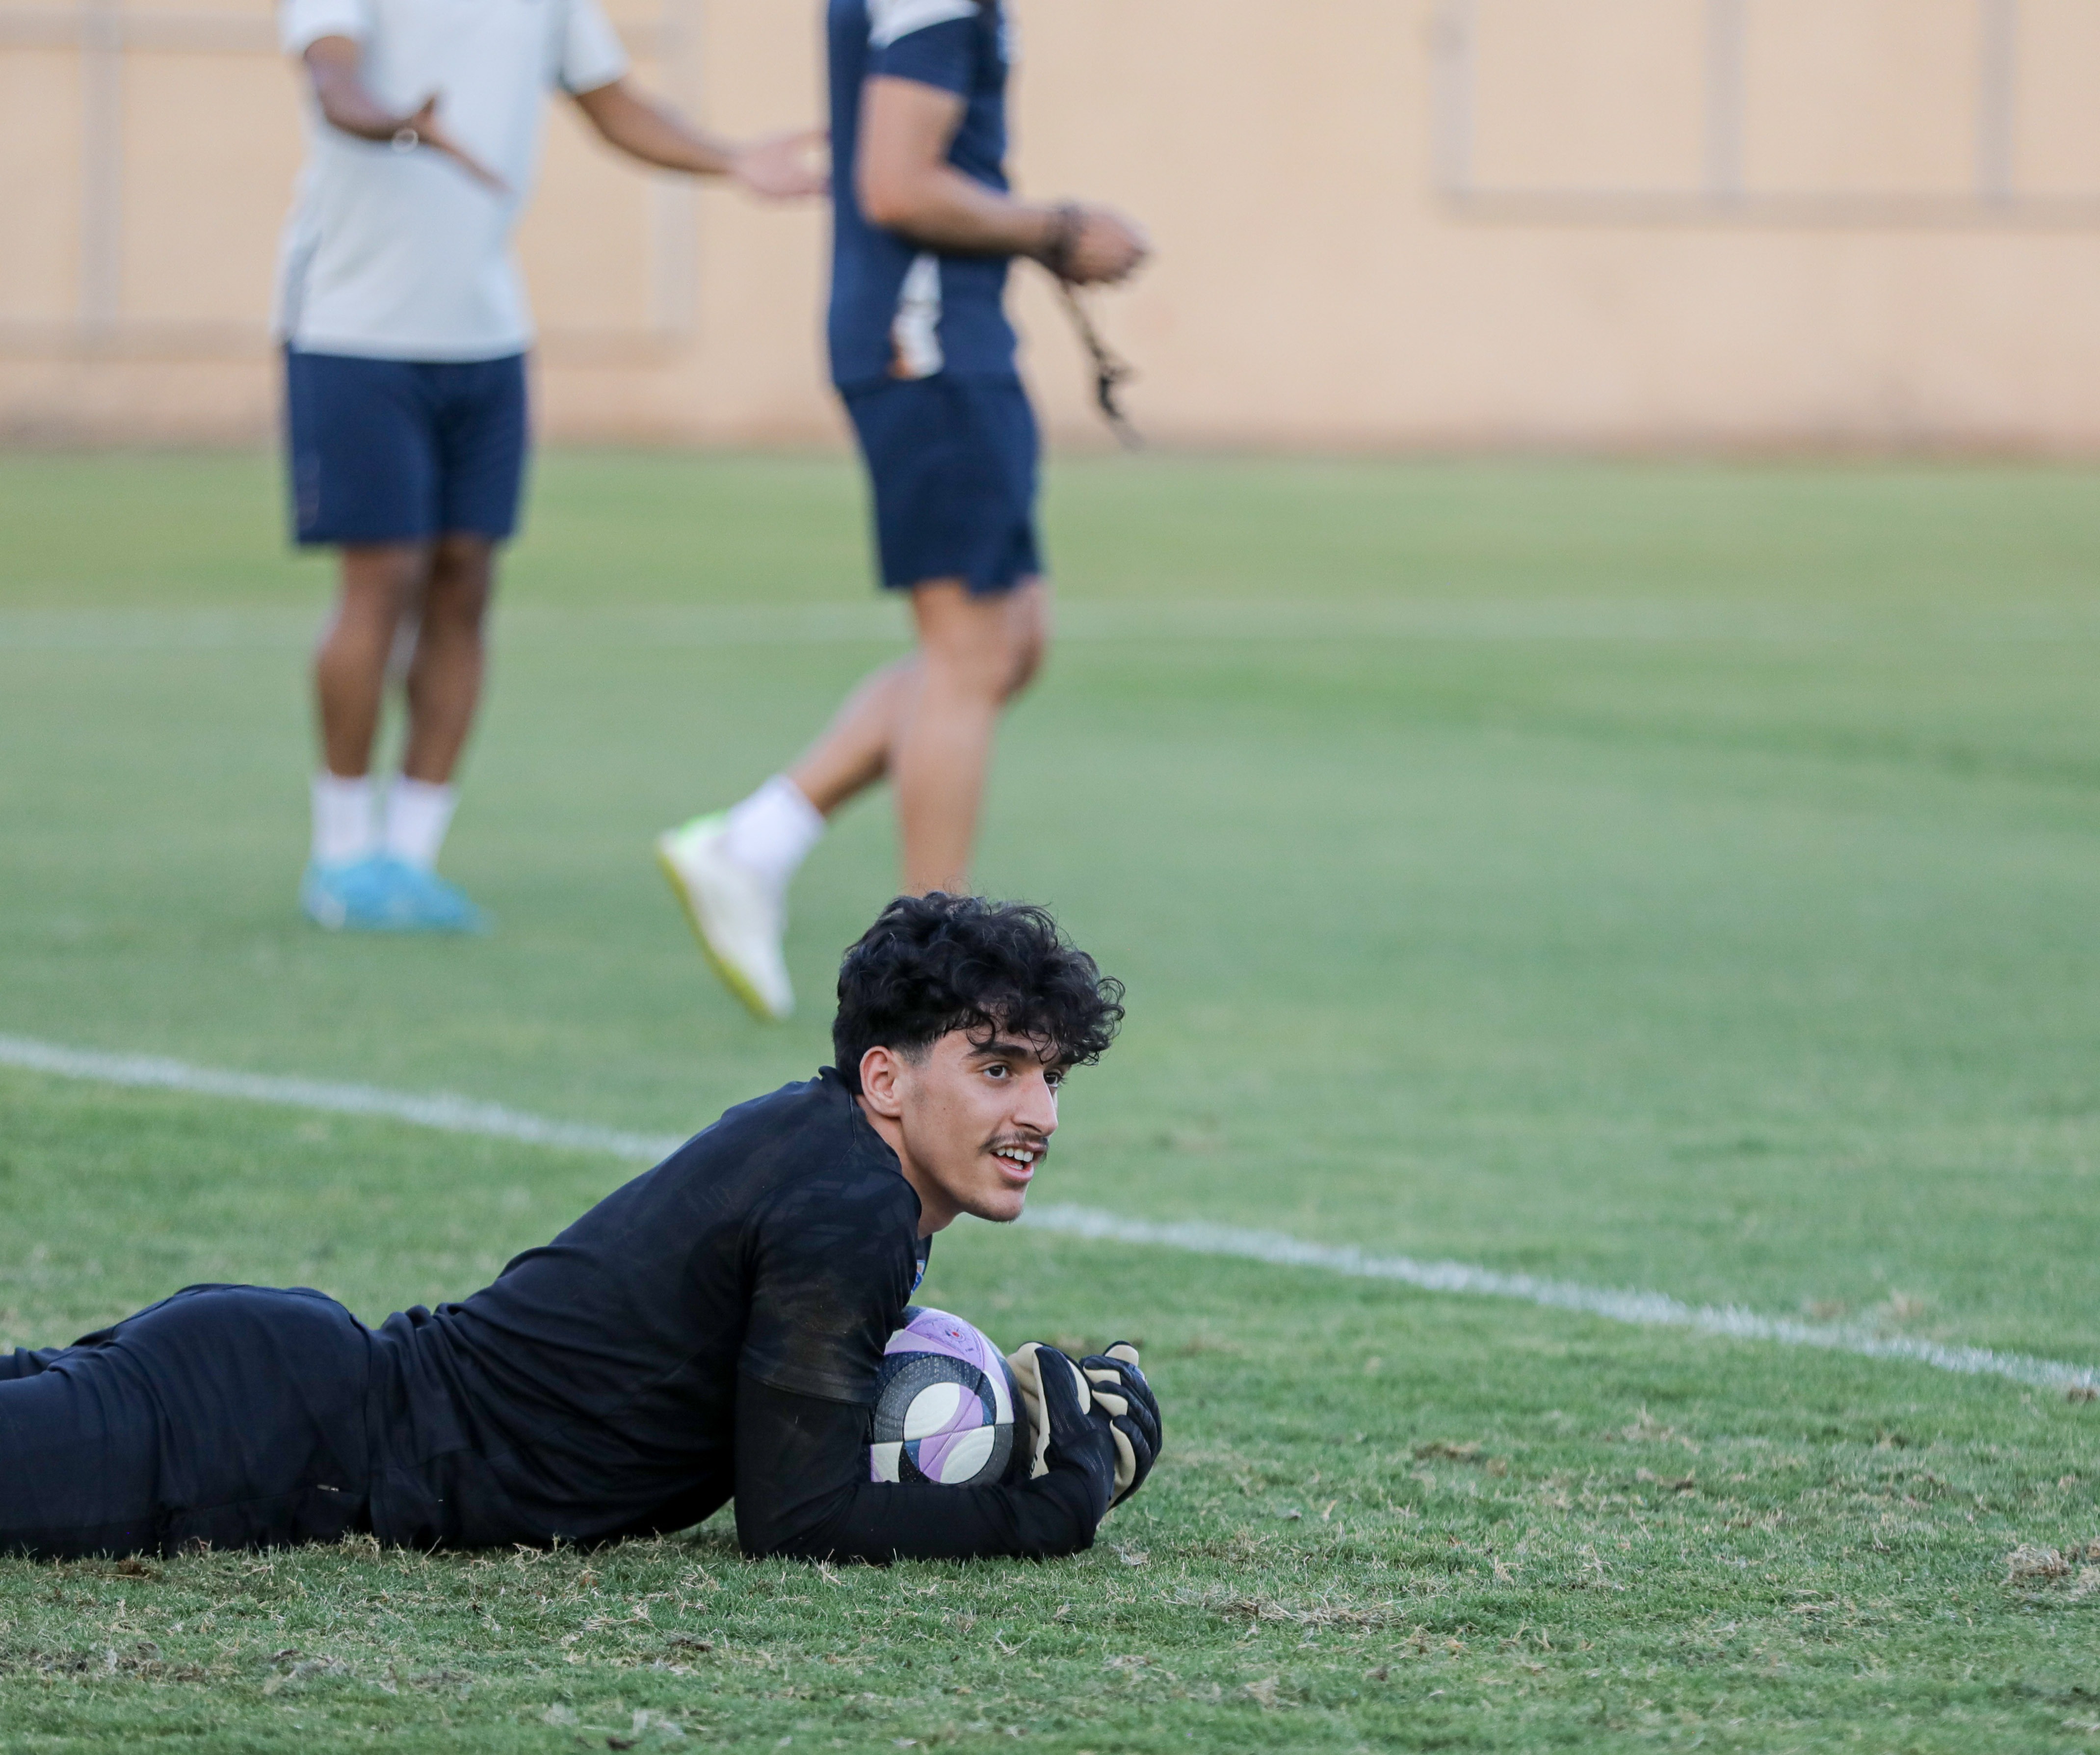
(1467, 621)
(461, 1114)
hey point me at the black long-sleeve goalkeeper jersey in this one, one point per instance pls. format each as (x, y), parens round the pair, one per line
(712, 1330)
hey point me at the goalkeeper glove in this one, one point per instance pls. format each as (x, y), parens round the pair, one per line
(1119, 1391)
(1068, 1431)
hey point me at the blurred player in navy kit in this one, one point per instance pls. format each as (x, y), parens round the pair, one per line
(405, 328)
(923, 357)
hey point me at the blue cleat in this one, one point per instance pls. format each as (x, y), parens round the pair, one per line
(422, 901)
(350, 895)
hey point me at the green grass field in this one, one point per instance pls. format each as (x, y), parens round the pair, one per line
(1685, 878)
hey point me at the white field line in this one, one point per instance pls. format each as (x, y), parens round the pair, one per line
(461, 1114)
(452, 1115)
(1649, 1308)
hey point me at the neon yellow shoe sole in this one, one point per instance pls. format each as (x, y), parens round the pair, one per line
(730, 976)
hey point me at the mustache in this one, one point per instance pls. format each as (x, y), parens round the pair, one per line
(1038, 1143)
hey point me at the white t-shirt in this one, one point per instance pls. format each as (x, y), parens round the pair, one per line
(402, 255)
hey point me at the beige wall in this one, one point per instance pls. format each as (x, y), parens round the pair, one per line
(1419, 222)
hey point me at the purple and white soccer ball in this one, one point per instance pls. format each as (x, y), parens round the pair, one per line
(944, 1406)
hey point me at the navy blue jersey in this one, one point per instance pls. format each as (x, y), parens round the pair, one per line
(898, 311)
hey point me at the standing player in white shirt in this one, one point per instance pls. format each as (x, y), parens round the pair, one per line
(405, 329)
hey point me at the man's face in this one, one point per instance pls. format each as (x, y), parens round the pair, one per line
(975, 1118)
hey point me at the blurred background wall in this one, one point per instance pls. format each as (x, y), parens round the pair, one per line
(1625, 223)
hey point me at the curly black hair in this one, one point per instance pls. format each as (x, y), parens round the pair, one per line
(931, 964)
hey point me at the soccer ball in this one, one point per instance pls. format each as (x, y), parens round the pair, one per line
(944, 1406)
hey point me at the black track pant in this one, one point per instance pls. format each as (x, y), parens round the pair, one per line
(228, 1415)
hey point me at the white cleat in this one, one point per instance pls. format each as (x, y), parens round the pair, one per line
(738, 918)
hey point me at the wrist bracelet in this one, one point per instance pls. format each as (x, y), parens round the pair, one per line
(406, 140)
(1064, 240)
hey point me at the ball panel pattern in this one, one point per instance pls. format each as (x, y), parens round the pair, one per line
(944, 1404)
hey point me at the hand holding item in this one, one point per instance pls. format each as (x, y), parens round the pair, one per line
(1068, 1431)
(784, 167)
(424, 129)
(1119, 1389)
(1094, 246)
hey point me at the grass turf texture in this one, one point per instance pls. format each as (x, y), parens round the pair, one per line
(1674, 877)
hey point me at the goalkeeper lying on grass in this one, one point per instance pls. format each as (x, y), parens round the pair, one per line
(712, 1330)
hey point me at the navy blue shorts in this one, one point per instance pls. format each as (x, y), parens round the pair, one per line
(234, 1416)
(403, 450)
(953, 464)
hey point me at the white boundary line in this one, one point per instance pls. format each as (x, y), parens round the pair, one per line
(452, 1115)
(461, 1114)
(1648, 1309)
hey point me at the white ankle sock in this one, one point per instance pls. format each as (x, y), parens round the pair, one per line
(772, 831)
(417, 815)
(342, 818)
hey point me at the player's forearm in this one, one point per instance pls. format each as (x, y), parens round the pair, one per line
(802, 1492)
(940, 207)
(879, 1521)
(345, 103)
(645, 130)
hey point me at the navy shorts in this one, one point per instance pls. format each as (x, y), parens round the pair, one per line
(234, 1416)
(953, 464)
(403, 450)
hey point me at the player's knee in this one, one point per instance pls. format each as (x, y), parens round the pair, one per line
(1030, 649)
(1028, 640)
(461, 574)
(358, 635)
(974, 659)
(377, 581)
(982, 672)
(990, 647)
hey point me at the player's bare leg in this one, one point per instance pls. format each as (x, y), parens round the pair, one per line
(384, 877)
(927, 722)
(853, 752)
(975, 655)
(350, 664)
(444, 677)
